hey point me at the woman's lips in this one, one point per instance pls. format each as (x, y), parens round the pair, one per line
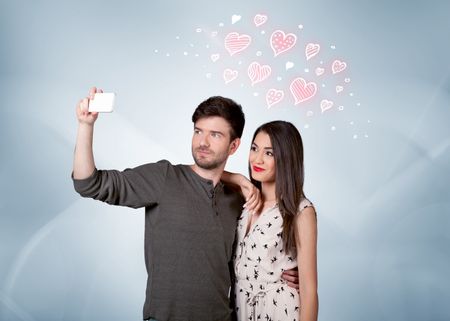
(257, 169)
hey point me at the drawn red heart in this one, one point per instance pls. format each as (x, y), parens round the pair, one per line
(274, 96)
(301, 90)
(281, 42)
(260, 19)
(338, 66)
(319, 71)
(235, 42)
(311, 50)
(229, 75)
(258, 73)
(325, 105)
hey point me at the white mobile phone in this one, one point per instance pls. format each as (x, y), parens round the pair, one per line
(102, 102)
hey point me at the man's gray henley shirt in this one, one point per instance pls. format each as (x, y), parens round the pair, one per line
(189, 233)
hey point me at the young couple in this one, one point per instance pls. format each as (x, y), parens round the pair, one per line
(199, 243)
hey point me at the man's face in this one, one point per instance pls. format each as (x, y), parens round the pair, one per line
(211, 143)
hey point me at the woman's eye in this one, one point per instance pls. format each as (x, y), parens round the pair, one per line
(253, 148)
(269, 154)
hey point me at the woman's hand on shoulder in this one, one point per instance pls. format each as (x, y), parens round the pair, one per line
(251, 193)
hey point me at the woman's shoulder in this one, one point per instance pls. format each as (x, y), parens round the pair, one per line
(305, 203)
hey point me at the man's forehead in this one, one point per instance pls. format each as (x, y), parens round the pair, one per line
(214, 123)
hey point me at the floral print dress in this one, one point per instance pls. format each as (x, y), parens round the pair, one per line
(260, 292)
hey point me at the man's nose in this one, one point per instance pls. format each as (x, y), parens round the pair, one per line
(204, 141)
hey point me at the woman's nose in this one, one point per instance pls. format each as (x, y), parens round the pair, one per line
(259, 158)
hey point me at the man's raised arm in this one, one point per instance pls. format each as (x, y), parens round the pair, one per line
(83, 163)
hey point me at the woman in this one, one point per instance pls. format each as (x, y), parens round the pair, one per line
(282, 236)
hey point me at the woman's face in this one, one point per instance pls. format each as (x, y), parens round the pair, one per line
(262, 159)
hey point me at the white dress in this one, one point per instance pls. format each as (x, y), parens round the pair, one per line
(260, 292)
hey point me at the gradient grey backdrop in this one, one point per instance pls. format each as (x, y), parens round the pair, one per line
(382, 200)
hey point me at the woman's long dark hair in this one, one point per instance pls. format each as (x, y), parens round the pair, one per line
(287, 148)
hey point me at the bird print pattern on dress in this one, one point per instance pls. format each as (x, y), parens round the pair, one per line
(259, 261)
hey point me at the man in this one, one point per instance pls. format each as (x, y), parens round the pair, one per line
(190, 216)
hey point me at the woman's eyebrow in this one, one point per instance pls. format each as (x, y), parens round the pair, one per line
(264, 147)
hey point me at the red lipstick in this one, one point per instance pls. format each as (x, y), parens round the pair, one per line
(257, 169)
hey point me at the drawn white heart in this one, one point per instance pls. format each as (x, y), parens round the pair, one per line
(325, 105)
(235, 18)
(289, 65)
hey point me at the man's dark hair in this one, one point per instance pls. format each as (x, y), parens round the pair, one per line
(223, 107)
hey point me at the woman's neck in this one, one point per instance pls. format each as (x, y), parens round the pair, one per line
(268, 192)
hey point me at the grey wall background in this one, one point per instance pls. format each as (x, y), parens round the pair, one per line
(378, 172)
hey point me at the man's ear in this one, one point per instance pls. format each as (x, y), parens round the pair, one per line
(234, 146)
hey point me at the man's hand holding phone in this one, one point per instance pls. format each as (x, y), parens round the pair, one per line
(83, 114)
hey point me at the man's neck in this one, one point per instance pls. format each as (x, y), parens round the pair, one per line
(211, 174)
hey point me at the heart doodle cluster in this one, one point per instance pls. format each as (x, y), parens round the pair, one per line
(280, 42)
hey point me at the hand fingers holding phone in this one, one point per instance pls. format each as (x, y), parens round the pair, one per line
(93, 91)
(96, 101)
(83, 114)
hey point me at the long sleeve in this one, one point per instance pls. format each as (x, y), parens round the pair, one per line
(134, 187)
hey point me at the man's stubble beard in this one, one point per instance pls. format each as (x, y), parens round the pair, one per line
(209, 164)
